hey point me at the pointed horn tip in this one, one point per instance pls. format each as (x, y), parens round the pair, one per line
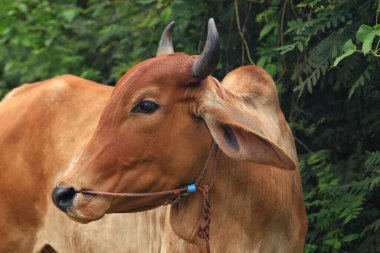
(208, 60)
(170, 26)
(212, 28)
(165, 45)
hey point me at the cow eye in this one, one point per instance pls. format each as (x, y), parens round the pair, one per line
(145, 107)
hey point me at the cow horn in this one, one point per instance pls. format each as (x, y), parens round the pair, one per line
(166, 43)
(208, 60)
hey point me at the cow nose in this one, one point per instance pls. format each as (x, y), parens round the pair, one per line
(63, 197)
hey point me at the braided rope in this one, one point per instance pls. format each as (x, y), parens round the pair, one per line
(204, 229)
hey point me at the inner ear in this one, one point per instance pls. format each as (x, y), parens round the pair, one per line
(230, 138)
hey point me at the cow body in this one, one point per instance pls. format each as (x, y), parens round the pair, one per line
(44, 127)
(255, 207)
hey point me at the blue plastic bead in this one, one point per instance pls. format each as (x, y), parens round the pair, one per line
(191, 188)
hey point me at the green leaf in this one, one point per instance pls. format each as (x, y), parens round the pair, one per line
(281, 88)
(376, 29)
(266, 29)
(261, 62)
(69, 14)
(286, 48)
(367, 45)
(300, 46)
(348, 49)
(165, 14)
(145, 1)
(271, 68)
(366, 35)
(339, 59)
(351, 92)
(22, 7)
(350, 238)
(333, 242)
(349, 46)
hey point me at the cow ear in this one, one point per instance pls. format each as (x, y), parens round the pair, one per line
(240, 137)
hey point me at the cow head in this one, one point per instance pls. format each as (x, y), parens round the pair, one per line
(156, 131)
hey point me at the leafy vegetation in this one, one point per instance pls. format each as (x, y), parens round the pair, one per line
(323, 54)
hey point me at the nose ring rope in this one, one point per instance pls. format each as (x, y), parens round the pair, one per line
(179, 193)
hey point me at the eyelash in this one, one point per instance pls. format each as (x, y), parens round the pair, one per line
(147, 107)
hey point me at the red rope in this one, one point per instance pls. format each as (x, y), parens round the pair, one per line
(175, 192)
(204, 229)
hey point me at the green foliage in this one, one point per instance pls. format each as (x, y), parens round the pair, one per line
(323, 54)
(366, 35)
(333, 206)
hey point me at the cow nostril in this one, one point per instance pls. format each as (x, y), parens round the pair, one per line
(63, 197)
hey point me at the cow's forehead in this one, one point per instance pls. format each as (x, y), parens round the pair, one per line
(168, 70)
(166, 73)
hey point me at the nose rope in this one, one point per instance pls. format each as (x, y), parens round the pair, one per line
(179, 193)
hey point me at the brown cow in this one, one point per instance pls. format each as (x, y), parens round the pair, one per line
(155, 134)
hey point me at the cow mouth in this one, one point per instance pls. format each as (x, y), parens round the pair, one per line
(87, 208)
(81, 219)
(76, 215)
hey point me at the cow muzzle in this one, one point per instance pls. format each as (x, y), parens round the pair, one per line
(63, 197)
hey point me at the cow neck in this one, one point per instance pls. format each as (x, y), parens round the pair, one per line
(232, 196)
(187, 215)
